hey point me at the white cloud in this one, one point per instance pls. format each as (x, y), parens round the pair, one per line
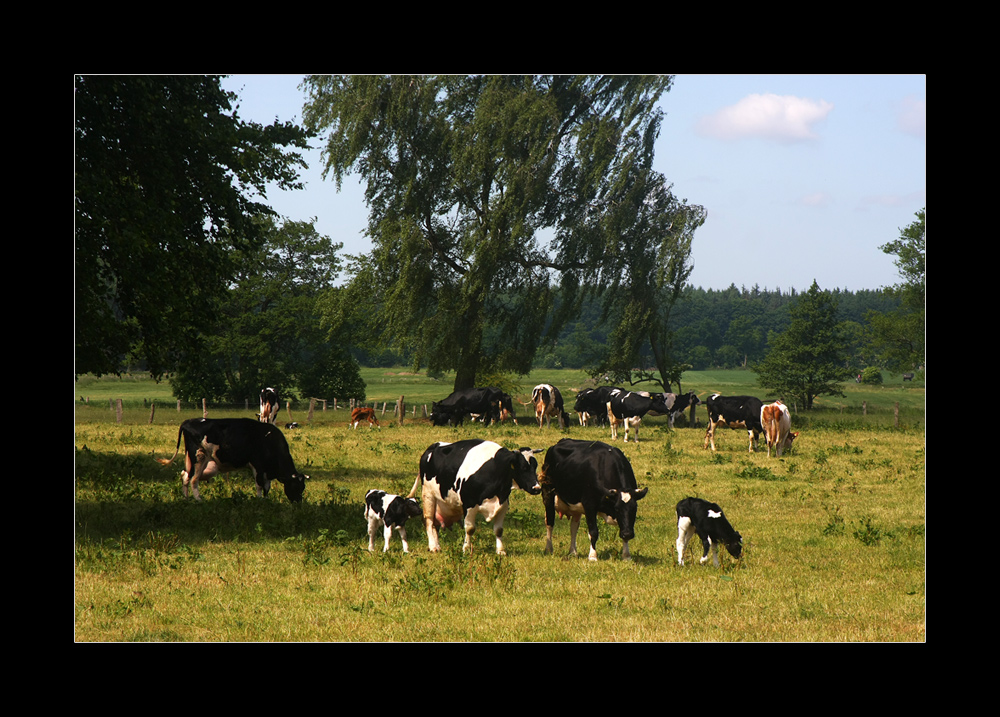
(911, 116)
(780, 117)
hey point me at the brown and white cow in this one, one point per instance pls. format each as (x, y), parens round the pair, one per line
(363, 413)
(777, 425)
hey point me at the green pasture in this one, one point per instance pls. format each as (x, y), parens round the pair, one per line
(833, 531)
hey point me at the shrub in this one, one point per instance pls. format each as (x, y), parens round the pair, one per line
(871, 375)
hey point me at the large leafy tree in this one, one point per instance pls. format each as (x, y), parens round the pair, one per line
(266, 329)
(897, 337)
(484, 194)
(168, 182)
(809, 358)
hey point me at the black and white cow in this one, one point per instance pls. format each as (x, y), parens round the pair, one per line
(629, 407)
(387, 511)
(677, 404)
(589, 478)
(220, 445)
(548, 402)
(592, 404)
(695, 515)
(269, 405)
(907, 376)
(484, 402)
(734, 412)
(460, 480)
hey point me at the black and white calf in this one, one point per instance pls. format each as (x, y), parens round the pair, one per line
(589, 478)
(388, 511)
(460, 480)
(695, 515)
(485, 402)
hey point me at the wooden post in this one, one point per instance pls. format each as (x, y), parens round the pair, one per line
(864, 408)
(312, 407)
(178, 405)
(118, 410)
(896, 411)
(204, 408)
(400, 409)
(152, 412)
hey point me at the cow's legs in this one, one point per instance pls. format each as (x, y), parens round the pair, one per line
(708, 544)
(430, 514)
(684, 531)
(593, 532)
(402, 537)
(387, 534)
(574, 526)
(372, 527)
(614, 423)
(710, 435)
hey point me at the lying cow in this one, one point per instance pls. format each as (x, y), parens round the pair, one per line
(695, 515)
(388, 511)
(366, 414)
(460, 480)
(269, 404)
(776, 423)
(734, 412)
(548, 402)
(628, 407)
(589, 478)
(221, 445)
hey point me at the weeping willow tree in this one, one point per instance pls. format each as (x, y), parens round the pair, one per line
(488, 196)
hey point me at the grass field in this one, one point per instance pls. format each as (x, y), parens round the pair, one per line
(833, 532)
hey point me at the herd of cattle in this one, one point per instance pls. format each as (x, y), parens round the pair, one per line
(458, 481)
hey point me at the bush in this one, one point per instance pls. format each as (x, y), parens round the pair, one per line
(871, 375)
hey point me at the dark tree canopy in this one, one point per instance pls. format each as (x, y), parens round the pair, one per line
(168, 180)
(485, 193)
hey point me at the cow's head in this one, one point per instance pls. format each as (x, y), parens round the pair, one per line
(412, 508)
(439, 415)
(525, 467)
(789, 438)
(734, 545)
(620, 506)
(295, 486)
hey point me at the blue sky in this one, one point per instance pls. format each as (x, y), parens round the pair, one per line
(803, 176)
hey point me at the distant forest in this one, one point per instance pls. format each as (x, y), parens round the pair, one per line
(712, 328)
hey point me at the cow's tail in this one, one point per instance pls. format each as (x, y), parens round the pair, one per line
(164, 461)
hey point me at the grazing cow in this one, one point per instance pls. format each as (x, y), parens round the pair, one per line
(548, 403)
(589, 478)
(777, 425)
(269, 405)
(507, 408)
(214, 445)
(592, 403)
(695, 515)
(907, 376)
(388, 511)
(366, 414)
(461, 480)
(629, 407)
(481, 401)
(734, 412)
(677, 404)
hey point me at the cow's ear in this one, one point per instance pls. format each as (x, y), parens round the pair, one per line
(641, 493)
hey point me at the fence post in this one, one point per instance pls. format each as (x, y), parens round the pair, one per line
(312, 406)
(864, 408)
(400, 409)
(152, 412)
(896, 412)
(204, 408)
(118, 410)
